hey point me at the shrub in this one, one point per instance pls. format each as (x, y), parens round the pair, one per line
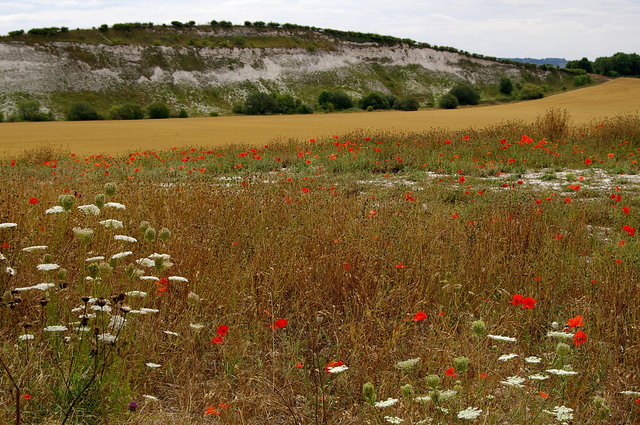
(81, 112)
(213, 23)
(530, 91)
(247, 23)
(158, 110)
(177, 24)
(273, 25)
(127, 111)
(465, 94)
(16, 33)
(182, 113)
(191, 23)
(338, 99)
(29, 110)
(581, 80)
(103, 28)
(1, 116)
(375, 100)
(259, 24)
(506, 86)
(260, 104)
(225, 24)
(286, 103)
(448, 101)
(406, 104)
(303, 109)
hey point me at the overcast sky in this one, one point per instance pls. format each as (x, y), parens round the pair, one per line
(504, 28)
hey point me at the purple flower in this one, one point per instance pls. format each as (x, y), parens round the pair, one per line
(133, 406)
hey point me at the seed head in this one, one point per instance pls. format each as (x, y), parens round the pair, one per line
(100, 200)
(110, 189)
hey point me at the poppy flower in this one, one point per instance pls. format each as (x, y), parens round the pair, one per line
(222, 330)
(27, 396)
(516, 299)
(451, 372)
(543, 395)
(334, 363)
(421, 315)
(528, 302)
(588, 161)
(211, 411)
(33, 201)
(281, 323)
(217, 340)
(630, 230)
(575, 322)
(579, 338)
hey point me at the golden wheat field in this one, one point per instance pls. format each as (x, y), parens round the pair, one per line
(118, 137)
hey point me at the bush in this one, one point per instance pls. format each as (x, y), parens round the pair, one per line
(182, 113)
(303, 109)
(103, 28)
(273, 25)
(581, 80)
(1, 116)
(158, 110)
(506, 86)
(465, 94)
(259, 24)
(374, 100)
(17, 33)
(448, 101)
(406, 104)
(226, 24)
(286, 103)
(531, 91)
(82, 112)
(338, 100)
(29, 110)
(247, 23)
(177, 24)
(127, 111)
(260, 104)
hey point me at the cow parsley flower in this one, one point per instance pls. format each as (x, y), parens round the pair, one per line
(121, 255)
(93, 259)
(561, 413)
(386, 403)
(115, 205)
(533, 359)
(55, 328)
(8, 225)
(149, 310)
(171, 333)
(514, 381)
(111, 223)
(558, 334)
(178, 279)
(393, 419)
(153, 365)
(633, 393)
(10, 271)
(562, 372)
(54, 210)
(26, 337)
(107, 338)
(539, 377)
(337, 369)
(139, 294)
(145, 262)
(153, 278)
(502, 338)
(34, 248)
(469, 413)
(89, 209)
(125, 238)
(407, 364)
(117, 323)
(196, 326)
(47, 267)
(507, 357)
(150, 397)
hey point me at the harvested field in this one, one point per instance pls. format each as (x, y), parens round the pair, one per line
(117, 137)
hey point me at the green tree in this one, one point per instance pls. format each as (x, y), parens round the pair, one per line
(584, 64)
(374, 100)
(448, 101)
(260, 104)
(286, 103)
(127, 111)
(465, 94)
(406, 104)
(531, 91)
(340, 100)
(81, 112)
(506, 86)
(581, 80)
(158, 110)
(29, 110)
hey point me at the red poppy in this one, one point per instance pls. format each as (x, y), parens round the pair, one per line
(421, 315)
(211, 411)
(575, 322)
(451, 372)
(588, 161)
(305, 189)
(630, 230)
(222, 330)
(579, 338)
(625, 210)
(484, 375)
(299, 365)
(27, 396)
(333, 364)
(528, 302)
(33, 201)
(217, 340)
(516, 299)
(543, 395)
(163, 285)
(410, 198)
(281, 323)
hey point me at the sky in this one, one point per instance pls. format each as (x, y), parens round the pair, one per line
(569, 29)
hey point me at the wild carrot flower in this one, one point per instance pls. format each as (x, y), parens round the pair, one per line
(47, 267)
(55, 328)
(386, 403)
(507, 357)
(470, 413)
(407, 364)
(393, 419)
(111, 223)
(502, 338)
(337, 369)
(153, 365)
(54, 210)
(125, 238)
(514, 381)
(8, 225)
(115, 205)
(562, 372)
(561, 413)
(35, 248)
(89, 209)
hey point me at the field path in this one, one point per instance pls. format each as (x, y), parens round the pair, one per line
(618, 96)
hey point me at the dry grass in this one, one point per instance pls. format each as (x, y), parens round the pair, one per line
(621, 96)
(348, 256)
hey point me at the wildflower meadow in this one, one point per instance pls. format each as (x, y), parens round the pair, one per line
(484, 276)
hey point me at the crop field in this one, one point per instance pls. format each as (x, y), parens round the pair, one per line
(485, 271)
(119, 137)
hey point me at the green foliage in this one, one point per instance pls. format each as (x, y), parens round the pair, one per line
(127, 111)
(259, 24)
(45, 31)
(406, 104)
(286, 104)
(16, 33)
(531, 91)
(103, 28)
(619, 64)
(1, 116)
(29, 110)
(465, 94)
(374, 100)
(225, 24)
(448, 101)
(338, 100)
(581, 80)
(182, 113)
(177, 24)
(247, 23)
(303, 109)
(584, 64)
(506, 86)
(273, 25)
(158, 110)
(260, 104)
(81, 112)
(126, 26)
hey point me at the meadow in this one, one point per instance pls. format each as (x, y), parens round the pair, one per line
(462, 275)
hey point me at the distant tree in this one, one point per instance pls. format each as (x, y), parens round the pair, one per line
(158, 110)
(286, 103)
(338, 99)
(465, 94)
(127, 111)
(581, 80)
(81, 112)
(448, 101)
(1, 116)
(191, 23)
(259, 24)
(406, 104)
(177, 24)
(506, 86)
(29, 110)
(583, 63)
(247, 23)
(531, 91)
(103, 28)
(301, 108)
(225, 24)
(16, 33)
(273, 25)
(213, 23)
(64, 29)
(182, 113)
(260, 104)
(374, 100)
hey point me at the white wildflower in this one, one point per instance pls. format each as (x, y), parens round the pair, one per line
(443, 409)
(156, 256)
(2, 257)
(89, 209)
(83, 233)
(117, 322)
(47, 267)
(393, 419)
(562, 372)
(55, 328)
(469, 413)
(54, 210)
(539, 377)
(533, 359)
(43, 286)
(502, 338)
(136, 294)
(178, 279)
(104, 308)
(514, 381)
(446, 394)
(121, 255)
(34, 248)
(196, 326)
(10, 271)
(145, 262)
(337, 369)
(140, 312)
(107, 338)
(171, 333)
(25, 337)
(407, 364)
(150, 397)
(633, 393)
(92, 259)
(152, 365)
(557, 334)
(8, 225)
(149, 310)
(111, 223)
(561, 413)
(125, 238)
(507, 357)
(193, 297)
(386, 403)
(115, 205)
(155, 279)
